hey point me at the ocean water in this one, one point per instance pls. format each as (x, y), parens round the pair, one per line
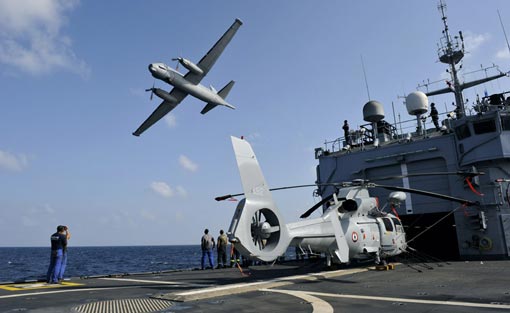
(32, 263)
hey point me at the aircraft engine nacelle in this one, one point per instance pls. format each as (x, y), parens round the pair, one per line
(191, 66)
(164, 95)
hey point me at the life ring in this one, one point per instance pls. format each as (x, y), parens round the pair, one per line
(485, 243)
(354, 236)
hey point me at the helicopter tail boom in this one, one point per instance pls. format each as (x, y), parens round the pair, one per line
(257, 228)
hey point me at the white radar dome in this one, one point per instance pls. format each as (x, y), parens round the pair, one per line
(417, 103)
(373, 111)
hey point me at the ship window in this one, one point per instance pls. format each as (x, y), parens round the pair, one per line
(505, 122)
(462, 131)
(483, 127)
(387, 224)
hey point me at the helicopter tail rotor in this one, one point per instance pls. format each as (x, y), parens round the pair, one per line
(257, 228)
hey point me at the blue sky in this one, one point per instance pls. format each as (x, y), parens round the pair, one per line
(73, 74)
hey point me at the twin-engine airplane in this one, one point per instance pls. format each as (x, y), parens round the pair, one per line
(189, 83)
(352, 226)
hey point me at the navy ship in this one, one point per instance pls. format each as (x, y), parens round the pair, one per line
(439, 159)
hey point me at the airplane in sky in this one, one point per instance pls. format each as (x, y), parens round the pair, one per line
(189, 84)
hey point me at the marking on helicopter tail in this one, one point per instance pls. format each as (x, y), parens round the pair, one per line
(354, 236)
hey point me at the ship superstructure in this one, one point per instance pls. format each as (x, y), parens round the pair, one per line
(473, 141)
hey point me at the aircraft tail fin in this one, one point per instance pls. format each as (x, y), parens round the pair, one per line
(257, 228)
(223, 93)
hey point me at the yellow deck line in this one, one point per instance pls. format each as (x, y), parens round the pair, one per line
(34, 286)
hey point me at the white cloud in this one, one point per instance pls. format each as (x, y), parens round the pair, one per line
(48, 209)
(148, 215)
(170, 120)
(181, 191)
(31, 39)
(474, 41)
(13, 162)
(503, 54)
(162, 189)
(186, 163)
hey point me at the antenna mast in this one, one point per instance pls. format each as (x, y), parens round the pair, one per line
(365, 75)
(504, 32)
(451, 52)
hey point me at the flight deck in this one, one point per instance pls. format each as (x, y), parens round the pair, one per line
(299, 287)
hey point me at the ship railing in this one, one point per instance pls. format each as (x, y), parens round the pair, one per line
(363, 137)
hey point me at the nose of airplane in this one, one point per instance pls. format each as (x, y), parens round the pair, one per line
(151, 68)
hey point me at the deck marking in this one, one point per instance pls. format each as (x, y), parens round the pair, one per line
(410, 300)
(64, 291)
(161, 282)
(318, 305)
(204, 293)
(38, 285)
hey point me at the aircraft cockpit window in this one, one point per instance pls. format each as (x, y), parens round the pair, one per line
(162, 67)
(483, 127)
(387, 224)
(398, 225)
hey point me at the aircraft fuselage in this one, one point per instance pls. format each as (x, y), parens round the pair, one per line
(165, 73)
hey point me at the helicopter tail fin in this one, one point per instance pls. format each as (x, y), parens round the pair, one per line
(257, 228)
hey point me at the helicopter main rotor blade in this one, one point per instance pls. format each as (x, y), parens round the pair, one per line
(225, 197)
(316, 206)
(428, 193)
(459, 173)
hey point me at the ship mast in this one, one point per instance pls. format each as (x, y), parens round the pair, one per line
(451, 53)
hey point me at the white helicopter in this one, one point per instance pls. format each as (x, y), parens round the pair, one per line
(352, 226)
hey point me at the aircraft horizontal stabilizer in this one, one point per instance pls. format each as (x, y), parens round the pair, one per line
(208, 108)
(223, 93)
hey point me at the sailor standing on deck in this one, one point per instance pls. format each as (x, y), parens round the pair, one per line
(207, 245)
(58, 242)
(222, 249)
(64, 256)
(346, 133)
(434, 115)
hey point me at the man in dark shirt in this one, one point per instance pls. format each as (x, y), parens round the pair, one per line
(58, 242)
(64, 257)
(434, 115)
(207, 244)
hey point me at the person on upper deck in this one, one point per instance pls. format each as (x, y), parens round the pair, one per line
(434, 115)
(346, 132)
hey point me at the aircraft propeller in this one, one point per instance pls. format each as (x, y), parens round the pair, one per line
(151, 90)
(178, 60)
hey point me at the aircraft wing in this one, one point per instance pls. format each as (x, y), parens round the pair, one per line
(161, 110)
(207, 62)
